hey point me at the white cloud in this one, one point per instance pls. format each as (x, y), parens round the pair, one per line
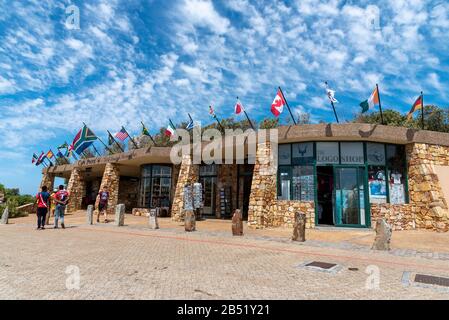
(202, 13)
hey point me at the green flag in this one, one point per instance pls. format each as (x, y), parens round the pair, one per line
(63, 146)
(145, 131)
(110, 140)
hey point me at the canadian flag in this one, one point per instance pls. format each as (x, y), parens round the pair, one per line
(238, 107)
(278, 104)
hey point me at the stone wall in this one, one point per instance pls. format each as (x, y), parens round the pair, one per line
(263, 189)
(282, 213)
(426, 196)
(77, 189)
(188, 173)
(400, 217)
(48, 179)
(111, 180)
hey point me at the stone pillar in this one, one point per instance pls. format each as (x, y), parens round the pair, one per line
(119, 215)
(383, 236)
(263, 189)
(189, 220)
(90, 214)
(188, 174)
(299, 229)
(111, 180)
(77, 189)
(426, 196)
(237, 223)
(48, 179)
(152, 219)
(5, 216)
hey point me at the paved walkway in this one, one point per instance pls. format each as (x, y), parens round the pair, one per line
(133, 262)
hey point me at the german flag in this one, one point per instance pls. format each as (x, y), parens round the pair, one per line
(418, 105)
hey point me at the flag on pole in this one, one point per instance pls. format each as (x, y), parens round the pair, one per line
(170, 130)
(63, 146)
(40, 159)
(122, 134)
(418, 105)
(145, 131)
(59, 154)
(110, 140)
(190, 125)
(331, 94)
(35, 157)
(212, 112)
(372, 101)
(278, 104)
(49, 154)
(238, 107)
(83, 139)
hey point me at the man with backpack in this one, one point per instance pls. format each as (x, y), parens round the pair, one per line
(61, 199)
(103, 198)
(43, 203)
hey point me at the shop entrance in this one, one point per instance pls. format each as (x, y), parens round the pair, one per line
(325, 189)
(341, 196)
(209, 186)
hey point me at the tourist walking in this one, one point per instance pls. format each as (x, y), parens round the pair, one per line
(61, 199)
(43, 203)
(51, 210)
(103, 198)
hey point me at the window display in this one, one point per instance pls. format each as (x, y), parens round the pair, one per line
(377, 184)
(303, 183)
(397, 187)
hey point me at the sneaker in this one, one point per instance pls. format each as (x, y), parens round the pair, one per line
(38, 228)
(43, 228)
(55, 227)
(62, 225)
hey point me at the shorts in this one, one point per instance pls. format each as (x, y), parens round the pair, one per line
(102, 206)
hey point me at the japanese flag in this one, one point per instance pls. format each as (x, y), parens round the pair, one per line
(278, 104)
(238, 107)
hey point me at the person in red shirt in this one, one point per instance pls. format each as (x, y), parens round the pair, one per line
(61, 199)
(43, 203)
(103, 198)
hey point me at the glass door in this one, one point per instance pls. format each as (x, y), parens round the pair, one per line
(209, 194)
(349, 195)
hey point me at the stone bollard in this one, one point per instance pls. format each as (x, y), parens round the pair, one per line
(189, 220)
(383, 236)
(5, 216)
(152, 219)
(237, 223)
(299, 228)
(90, 214)
(120, 215)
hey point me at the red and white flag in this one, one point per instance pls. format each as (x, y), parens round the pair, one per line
(238, 107)
(170, 131)
(278, 104)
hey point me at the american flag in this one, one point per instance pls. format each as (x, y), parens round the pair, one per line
(122, 135)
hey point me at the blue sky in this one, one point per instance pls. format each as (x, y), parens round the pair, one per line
(150, 60)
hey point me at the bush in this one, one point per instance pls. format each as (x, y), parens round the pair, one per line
(12, 203)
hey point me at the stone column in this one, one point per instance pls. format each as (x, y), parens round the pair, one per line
(119, 215)
(48, 180)
(237, 223)
(299, 229)
(263, 189)
(426, 196)
(77, 189)
(111, 180)
(188, 174)
(90, 214)
(5, 216)
(383, 236)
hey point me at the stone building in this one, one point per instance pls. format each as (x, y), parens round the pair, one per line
(344, 175)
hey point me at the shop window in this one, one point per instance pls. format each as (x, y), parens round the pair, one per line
(208, 170)
(377, 182)
(155, 186)
(284, 183)
(303, 187)
(284, 154)
(302, 153)
(327, 153)
(396, 173)
(352, 153)
(375, 153)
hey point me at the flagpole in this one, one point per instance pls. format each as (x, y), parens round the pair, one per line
(250, 123)
(59, 150)
(135, 144)
(96, 150)
(333, 106)
(422, 110)
(218, 121)
(111, 136)
(72, 153)
(154, 142)
(99, 139)
(291, 114)
(172, 124)
(380, 105)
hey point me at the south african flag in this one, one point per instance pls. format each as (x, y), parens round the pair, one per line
(83, 139)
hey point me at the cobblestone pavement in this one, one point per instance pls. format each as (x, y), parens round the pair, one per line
(137, 263)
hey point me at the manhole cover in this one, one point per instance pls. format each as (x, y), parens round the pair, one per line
(322, 265)
(426, 279)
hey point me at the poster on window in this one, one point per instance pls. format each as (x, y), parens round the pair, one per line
(377, 185)
(397, 188)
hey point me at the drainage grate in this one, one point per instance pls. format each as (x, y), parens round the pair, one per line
(322, 265)
(426, 279)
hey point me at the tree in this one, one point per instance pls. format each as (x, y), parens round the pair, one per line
(391, 118)
(269, 123)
